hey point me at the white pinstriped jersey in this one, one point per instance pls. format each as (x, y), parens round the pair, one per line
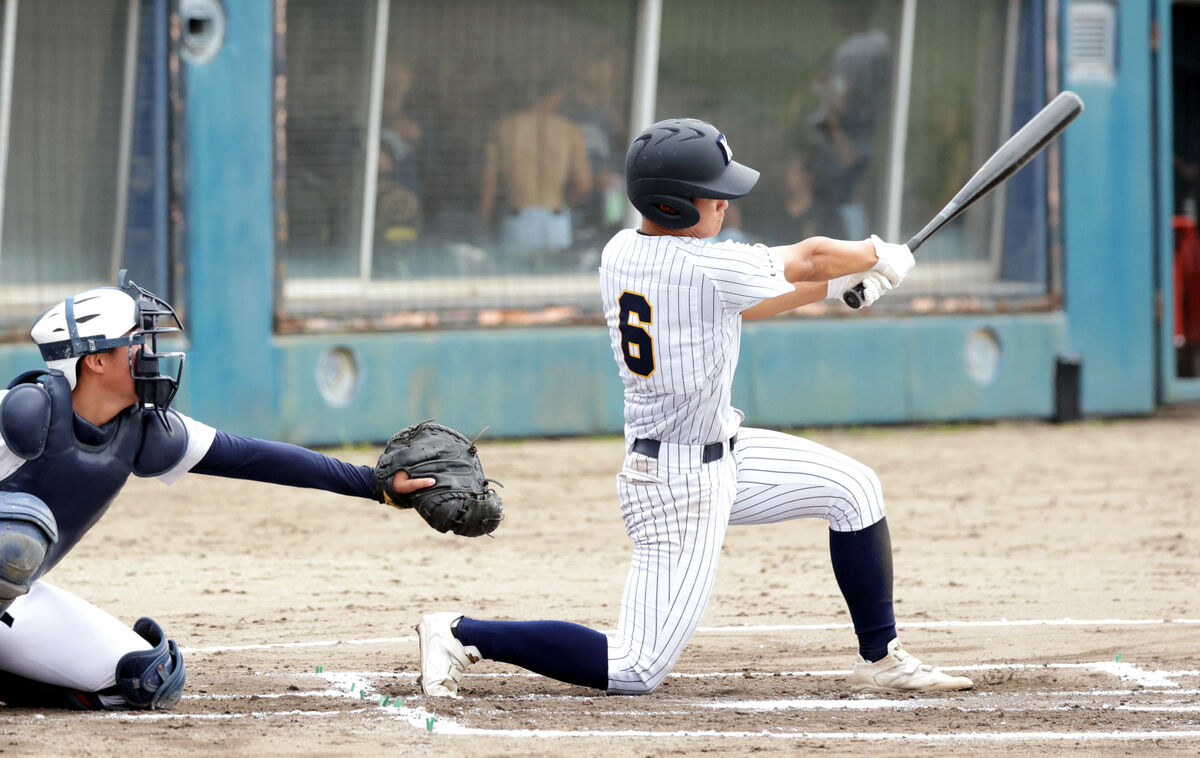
(673, 307)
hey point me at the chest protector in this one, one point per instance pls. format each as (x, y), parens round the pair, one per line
(78, 480)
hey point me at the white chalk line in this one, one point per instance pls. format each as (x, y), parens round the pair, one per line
(1003, 622)
(417, 719)
(1124, 670)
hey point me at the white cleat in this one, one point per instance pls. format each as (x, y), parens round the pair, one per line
(443, 657)
(899, 671)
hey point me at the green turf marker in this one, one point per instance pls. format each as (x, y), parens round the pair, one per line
(320, 669)
(398, 703)
(362, 694)
(429, 723)
(384, 700)
(1118, 658)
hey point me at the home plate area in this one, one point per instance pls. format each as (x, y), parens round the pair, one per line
(1033, 700)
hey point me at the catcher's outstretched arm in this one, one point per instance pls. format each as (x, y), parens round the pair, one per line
(281, 463)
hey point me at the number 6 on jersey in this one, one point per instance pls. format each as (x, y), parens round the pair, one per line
(636, 342)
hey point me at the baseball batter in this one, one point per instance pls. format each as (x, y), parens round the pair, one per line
(70, 436)
(674, 300)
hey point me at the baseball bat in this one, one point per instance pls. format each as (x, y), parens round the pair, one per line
(1018, 150)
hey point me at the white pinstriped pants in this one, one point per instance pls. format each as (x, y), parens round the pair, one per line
(676, 511)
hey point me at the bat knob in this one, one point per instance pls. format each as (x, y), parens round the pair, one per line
(853, 297)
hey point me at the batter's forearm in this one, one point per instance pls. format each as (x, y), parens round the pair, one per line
(819, 259)
(804, 293)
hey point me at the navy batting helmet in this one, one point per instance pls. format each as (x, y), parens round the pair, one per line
(676, 160)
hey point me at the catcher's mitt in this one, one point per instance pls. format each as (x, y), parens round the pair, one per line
(461, 501)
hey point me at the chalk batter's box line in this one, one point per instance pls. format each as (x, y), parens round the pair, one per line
(1125, 670)
(1064, 622)
(450, 727)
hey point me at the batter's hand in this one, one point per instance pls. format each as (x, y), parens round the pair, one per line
(895, 261)
(874, 285)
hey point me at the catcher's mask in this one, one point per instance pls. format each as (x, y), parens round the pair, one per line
(103, 318)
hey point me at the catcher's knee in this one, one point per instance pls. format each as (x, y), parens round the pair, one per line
(150, 679)
(145, 680)
(27, 530)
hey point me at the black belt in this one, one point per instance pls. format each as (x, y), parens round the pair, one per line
(713, 451)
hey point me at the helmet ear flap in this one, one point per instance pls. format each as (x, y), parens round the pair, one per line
(688, 214)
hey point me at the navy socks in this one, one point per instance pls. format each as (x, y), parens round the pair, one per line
(558, 649)
(862, 564)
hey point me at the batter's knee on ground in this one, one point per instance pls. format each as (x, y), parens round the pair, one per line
(634, 680)
(27, 530)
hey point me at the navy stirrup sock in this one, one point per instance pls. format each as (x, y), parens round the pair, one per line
(862, 564)
(558, 649)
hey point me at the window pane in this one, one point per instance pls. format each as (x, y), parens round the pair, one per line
(501, 142)
(502, 127)
(802, 90)
(955, 123)
(805, 91)
(328, 49)
(60, 199)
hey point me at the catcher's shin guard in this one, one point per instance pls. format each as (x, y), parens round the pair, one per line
(27, 530)
(150, 679)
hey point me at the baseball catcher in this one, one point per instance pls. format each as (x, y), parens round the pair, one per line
(461, 500)
(73, 432)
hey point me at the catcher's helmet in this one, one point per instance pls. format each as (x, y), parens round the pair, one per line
(106, 317)
(676, 160)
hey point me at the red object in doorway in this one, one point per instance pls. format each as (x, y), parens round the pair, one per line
(1187, 281)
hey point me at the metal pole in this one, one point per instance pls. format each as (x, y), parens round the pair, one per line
(899, 139)
(1007, 95)
(6, 77)
(125, 140)
(374, 118)
(645, 76)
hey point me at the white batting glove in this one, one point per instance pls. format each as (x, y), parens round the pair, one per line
(874, 285)
(835, 288)
(895, 261)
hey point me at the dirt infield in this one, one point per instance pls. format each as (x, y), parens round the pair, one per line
(1057, 564)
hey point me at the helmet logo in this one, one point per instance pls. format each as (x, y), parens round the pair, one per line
(726, 150)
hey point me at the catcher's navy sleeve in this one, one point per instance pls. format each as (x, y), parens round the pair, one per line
(280, 463)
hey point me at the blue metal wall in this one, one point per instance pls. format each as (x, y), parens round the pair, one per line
(233, 363)
(1108, 226)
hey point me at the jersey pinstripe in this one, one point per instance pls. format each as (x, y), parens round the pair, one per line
(679, 299)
